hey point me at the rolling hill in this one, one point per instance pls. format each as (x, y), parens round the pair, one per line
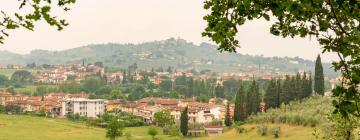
(177, 53)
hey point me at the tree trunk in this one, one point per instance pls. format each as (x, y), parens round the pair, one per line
(348, 134)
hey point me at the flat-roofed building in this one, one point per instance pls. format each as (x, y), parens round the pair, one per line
(83, 107)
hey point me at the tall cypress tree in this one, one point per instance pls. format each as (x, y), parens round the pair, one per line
(292, 88)
(240, 110)
(190, 87)
(286, 90)
(219, 91)
(297, 87)
(278, 93)
(319, 77)
(169, 70)
(202, 88)
(253, 99)
(184, 118)
(227, 116)
(124, 77)
(309, 86)
(304, 86)
(271, 95)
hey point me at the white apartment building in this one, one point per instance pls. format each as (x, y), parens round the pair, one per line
(83, 107)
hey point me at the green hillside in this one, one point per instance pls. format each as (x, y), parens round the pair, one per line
(177, 53)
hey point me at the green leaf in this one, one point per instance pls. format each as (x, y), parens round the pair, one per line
(12, 25)
(324, 25)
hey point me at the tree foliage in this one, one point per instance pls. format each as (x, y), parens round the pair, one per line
(319, 77)
(334, 23)
(164, 118)
(308, 112)
(152, 132)
(92, 84)
(253, 99)
(36, 10)
(22, 76)
(272, 96)
(184, 122)
(240, 102)
(228, 121)
(293, 88)
(3, 80)
(219, 91)
(114, 129)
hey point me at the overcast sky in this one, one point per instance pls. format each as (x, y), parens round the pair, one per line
(136, 21)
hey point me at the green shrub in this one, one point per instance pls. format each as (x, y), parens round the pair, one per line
(174, 132)
(312, 122)
(240, 129)
(308, 112)
(276, 132)
(73, 117)
(262, 130)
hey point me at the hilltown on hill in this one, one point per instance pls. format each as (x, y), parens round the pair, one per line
(58, 74)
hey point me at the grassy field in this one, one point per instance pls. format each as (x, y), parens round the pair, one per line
(13, 127)
(36, 128)
(287, 133)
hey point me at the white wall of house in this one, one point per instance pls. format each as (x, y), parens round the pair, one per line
(202, 116)
(83, 107)
(216, 111)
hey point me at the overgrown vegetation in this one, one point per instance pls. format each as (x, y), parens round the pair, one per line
(103, 120)
(308, 112)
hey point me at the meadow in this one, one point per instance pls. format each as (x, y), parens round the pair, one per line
(20, 127)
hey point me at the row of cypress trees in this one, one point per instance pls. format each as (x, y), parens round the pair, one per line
(292, 88)
(247, 102)
(278, 91)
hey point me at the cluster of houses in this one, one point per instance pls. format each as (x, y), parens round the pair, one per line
(198, 112)
(50, 103)
(61, 104)
(58, 74)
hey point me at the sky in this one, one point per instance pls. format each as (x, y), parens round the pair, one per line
(136, 21)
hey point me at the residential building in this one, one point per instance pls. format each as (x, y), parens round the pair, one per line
(112, 105)
(83, 107)
(8, 97)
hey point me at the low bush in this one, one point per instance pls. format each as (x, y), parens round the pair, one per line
(174, 132)
(262, 130)
(276, 131)
(240, 129)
